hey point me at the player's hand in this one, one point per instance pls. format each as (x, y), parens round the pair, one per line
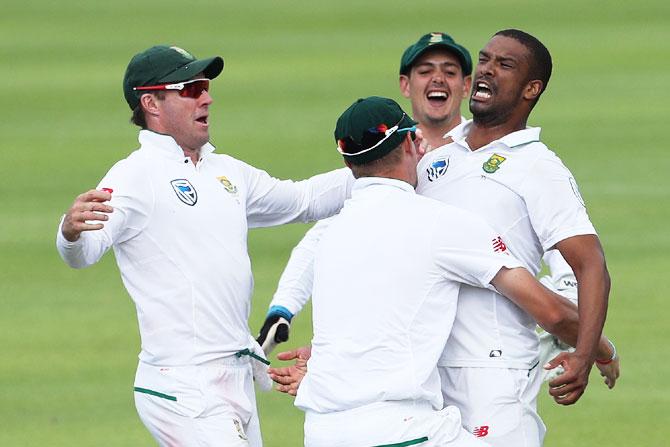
(610, 371)
(288, 378)
(275, 330)
(86, 207)
(567, 388)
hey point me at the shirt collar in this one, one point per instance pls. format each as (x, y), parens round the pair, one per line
(166, 146)
(365, 182)
(511, 140)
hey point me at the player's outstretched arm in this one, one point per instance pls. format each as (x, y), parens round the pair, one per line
(288, 378)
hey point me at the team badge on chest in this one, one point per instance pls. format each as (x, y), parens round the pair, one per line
(437, 168)
(185, 191)
(493, 163)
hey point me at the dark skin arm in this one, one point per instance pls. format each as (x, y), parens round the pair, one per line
(560, 317)
(585, 256)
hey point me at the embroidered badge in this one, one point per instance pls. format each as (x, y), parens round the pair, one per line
(436, 37)
(493, 163)
(227, 184)
(437, 168)
(573, 184)
(185, 191)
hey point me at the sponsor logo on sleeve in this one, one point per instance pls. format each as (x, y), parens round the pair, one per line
(498, 245)
(185, 191)
(437, 168)
(481, 431)
(493, 163)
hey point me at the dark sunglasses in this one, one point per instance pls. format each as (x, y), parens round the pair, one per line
(187, 89)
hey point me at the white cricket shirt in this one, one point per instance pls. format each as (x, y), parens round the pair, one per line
(179, 234)
(387, 272)
(523, 190)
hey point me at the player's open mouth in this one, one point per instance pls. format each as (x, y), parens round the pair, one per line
(437, 97)
(482, 91)
(202, 120)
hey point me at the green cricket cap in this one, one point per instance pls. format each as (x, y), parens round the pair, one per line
(372, 122)
(162, 64)
(428, 41)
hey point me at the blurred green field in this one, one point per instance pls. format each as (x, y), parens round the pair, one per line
(69, 338)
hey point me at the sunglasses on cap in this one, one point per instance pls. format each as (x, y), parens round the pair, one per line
(375, 136)
(187, 89)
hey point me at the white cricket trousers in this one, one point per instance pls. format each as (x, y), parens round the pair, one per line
(498, 405)
(211, 405)
(388, 424)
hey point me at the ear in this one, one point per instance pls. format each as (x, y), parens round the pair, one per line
(408, 145)
(404, 85)
(533, 90)
(149, 103)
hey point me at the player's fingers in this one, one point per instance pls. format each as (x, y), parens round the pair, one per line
(566, 378)
(565, 389)
(287, 355)
(282, 380)
(94, 195)
(286, 389)
(569, 398)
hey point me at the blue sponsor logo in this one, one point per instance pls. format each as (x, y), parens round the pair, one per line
(437, 168)
(185, 191)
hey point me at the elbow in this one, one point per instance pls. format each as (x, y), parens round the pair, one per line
(556, 321)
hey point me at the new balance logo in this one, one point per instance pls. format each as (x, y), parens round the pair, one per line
(498, 245)
(481, 431)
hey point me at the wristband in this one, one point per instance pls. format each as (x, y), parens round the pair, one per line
(280, 311)
(609, 360)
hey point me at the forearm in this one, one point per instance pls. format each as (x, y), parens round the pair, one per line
(295, 285)
(85, 251)
(593, 291)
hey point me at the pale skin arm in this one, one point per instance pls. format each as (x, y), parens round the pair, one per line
(87, 206)
(560, 317)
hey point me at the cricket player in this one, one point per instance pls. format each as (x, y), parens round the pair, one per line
(399, 260)
(176, 215)
(435, 76)
(498, 169)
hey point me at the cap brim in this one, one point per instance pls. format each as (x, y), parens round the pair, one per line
(456, 49)
(211, 68)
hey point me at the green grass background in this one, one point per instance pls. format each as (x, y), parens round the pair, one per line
(69, 338)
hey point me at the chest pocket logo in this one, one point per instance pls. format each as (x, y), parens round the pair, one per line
(437, 168)
(185, 191)
(493, 163)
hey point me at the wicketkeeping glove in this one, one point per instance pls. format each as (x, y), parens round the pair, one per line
(275, 330)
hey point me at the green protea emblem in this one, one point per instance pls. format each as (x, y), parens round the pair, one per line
(493, 163)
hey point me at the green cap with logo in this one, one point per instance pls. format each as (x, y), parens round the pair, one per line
(162, 64)
(371, 128)
(431, 40)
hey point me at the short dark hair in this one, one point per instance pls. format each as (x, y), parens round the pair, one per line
(138, 117)
(374, 167)
(540, 59)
